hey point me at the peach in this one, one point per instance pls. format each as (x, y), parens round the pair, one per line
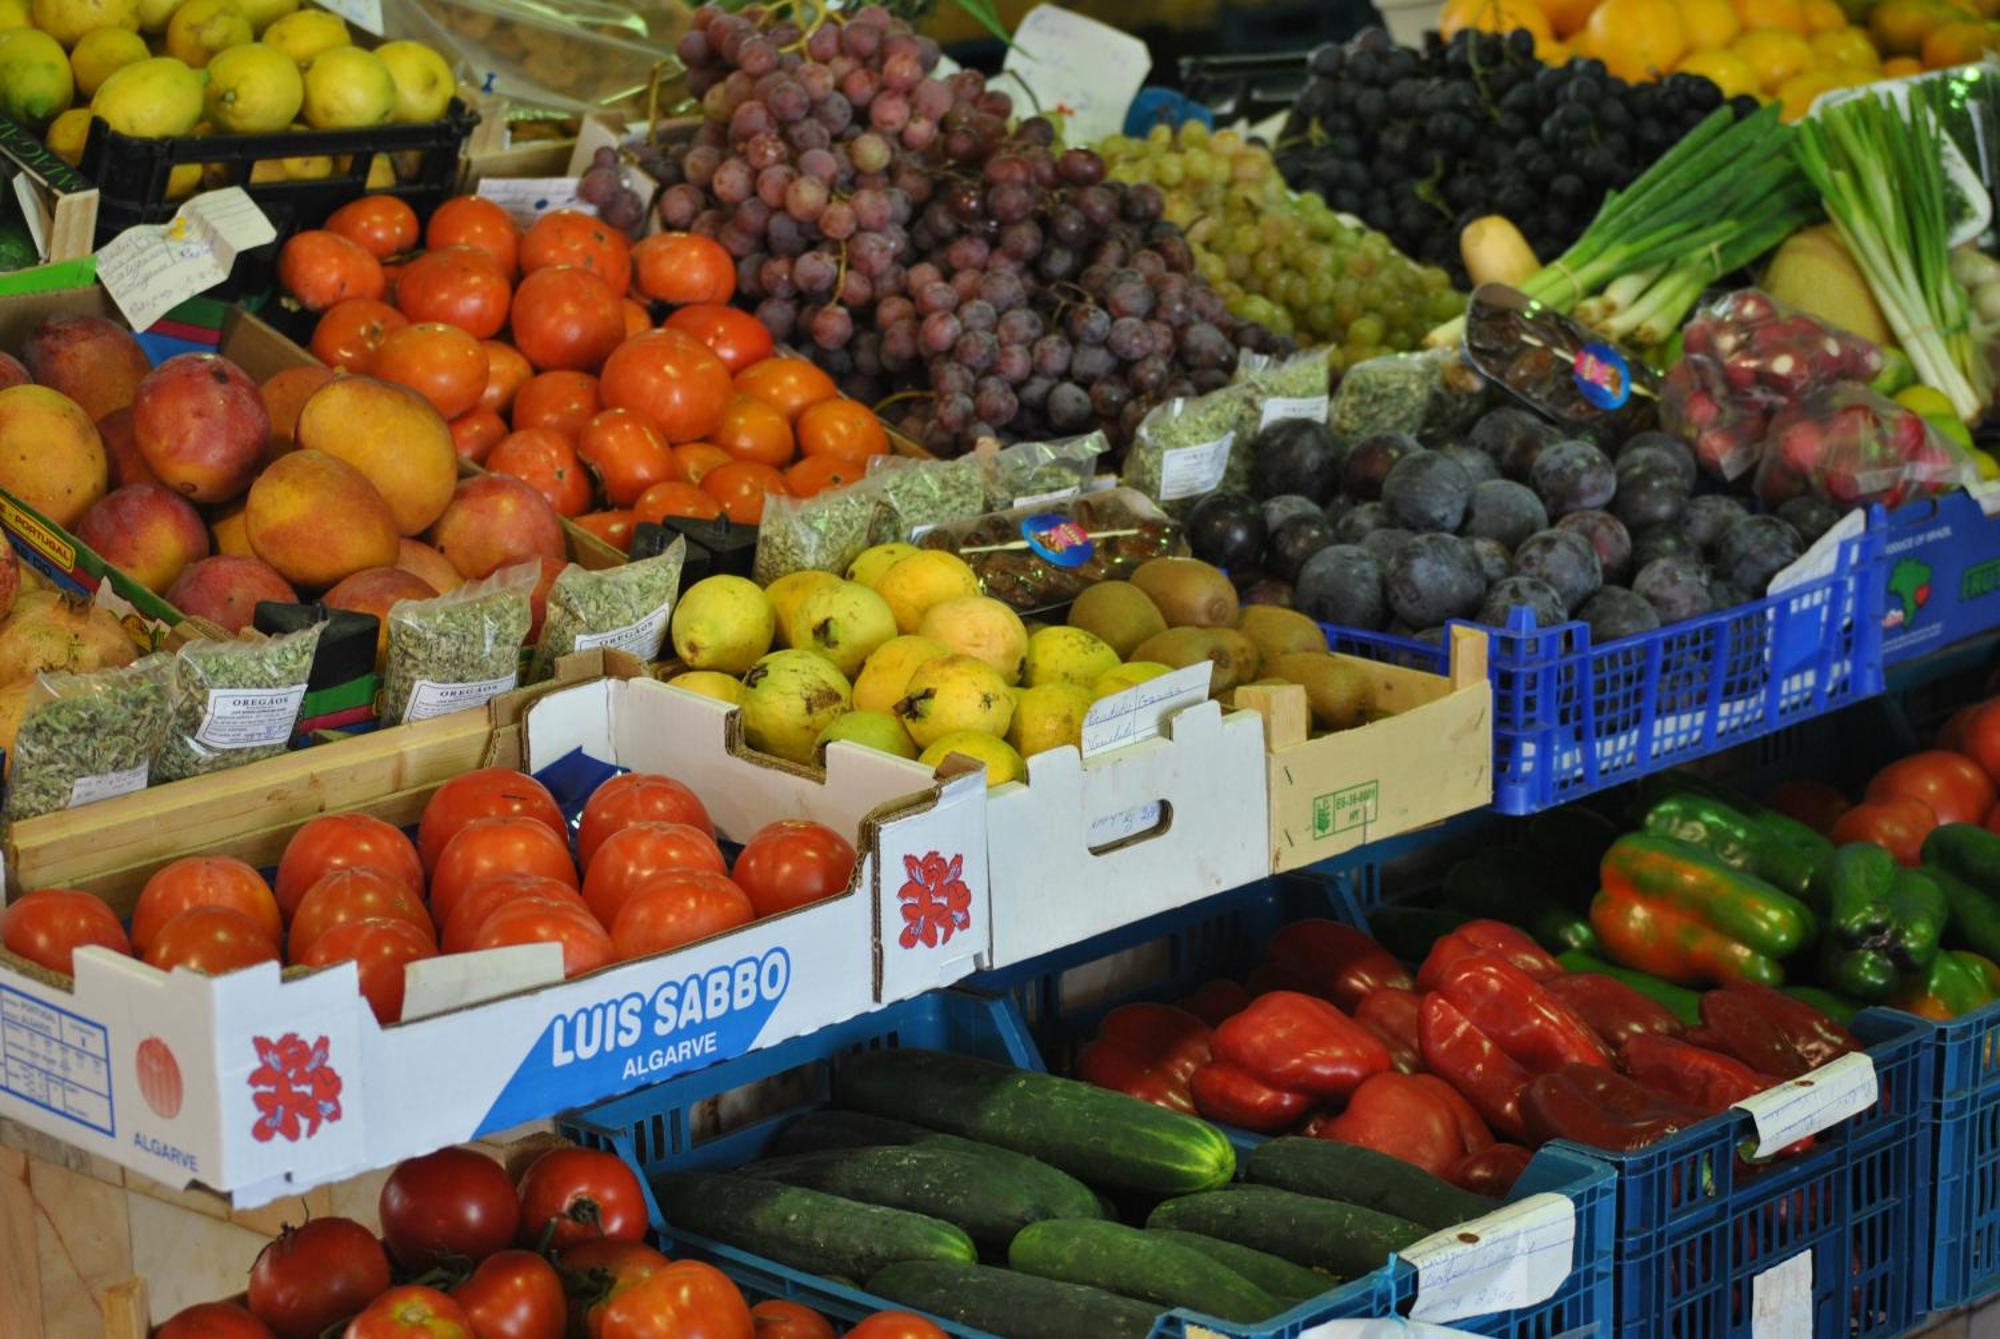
(122, 450)
(428, 565)
(225, 590)
(495, 521)
(393, 437)
(93, 361)
(316, 519)
(12, 372)
(231, 531)
(147, 531)
(202, 426)
(50, 454)
(374, 592)
(285, 394)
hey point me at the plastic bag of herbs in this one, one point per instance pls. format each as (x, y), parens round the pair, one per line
(85, 737)
(1426, 395)
(624, 608)
(919, 494)
(235, 702)
(823, 532)
(1293, 386)
(461, 649)
(1028, 474)
(1185, 447)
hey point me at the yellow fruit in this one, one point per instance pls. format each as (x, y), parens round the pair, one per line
(913, 584)
(153, 16)
(1003, 764)
(1636, 39)
(252, 90)
(1898, 27)
(710, 683)
(1824, 16)
(1796, 94)
(1554, 54)
(885, 676)
(788, 592)
(1847, 47)
(1068, 655)
(1926, 401)
(722, 623)
(871, 563)
(1789, 15)
(306, 34)
(201, 28)
(1128, 675)
(789, 697)
(1901, 67)
(35, 80)
(153, 99)
(424, 83)
(1725, 69)
(14, 14)
(954, 693)
(263, 13)
(1773, 55)
(183, 181)
(68, 133)
(101, 52)
(348, 89)
(381, 173)
(1566, 16)
(1955, 44)
(1493, 16)
(844, 622)
(309, 167)
(981, 627)
(1048, 716)
(1988, 467)
(876, 730)
(1709, 23)
(68, 20)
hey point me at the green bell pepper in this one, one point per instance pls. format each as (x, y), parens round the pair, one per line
(1736, 839)
(1679, 1001)
(1512, 884)
(1956, 983)
(1964, 860)
(1883, 922)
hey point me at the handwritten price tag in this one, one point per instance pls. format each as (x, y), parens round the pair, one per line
(1135, 714)
(151, 269)
(1811, 1103)
(528, 198)
(1781, 1300)
(1513, 1257)
(1084, 70)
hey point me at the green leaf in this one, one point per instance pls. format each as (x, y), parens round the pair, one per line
(984, 14)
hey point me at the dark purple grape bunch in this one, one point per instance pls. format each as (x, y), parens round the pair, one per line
(604, 188)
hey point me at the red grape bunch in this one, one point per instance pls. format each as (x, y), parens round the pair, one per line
(604, 188)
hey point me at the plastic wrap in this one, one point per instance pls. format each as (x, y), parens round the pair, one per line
(234, 702)
(1845, 443)
(85, 737)
(1556, 367)
(918, 494)
(1185, 447)
(581, 56)
(459, 650)
(823, 532)
(1422, 394)
(622, 608)
(1028, 473)
(1036, 557)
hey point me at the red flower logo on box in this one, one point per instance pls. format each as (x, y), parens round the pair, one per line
(159, 1078)
(294, 1088)
(936, 902)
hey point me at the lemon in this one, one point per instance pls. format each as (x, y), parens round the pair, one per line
(253, 90)
(306, 34)
(1989, 468)
(153, 99)
(14, 14)
(1725, 69)
(381, 173)
(183, 181)
(1798, 92)
(101, 52)
(347, 88)
(1774, 54)
(1709, 23)
(68, 20)
(1927, 401)
(424, 83)
(68, 133)
(35, 80)
(1003, 764)
(309, 167)
(263, 13)
(1844, 46)
(1824, 16)
(201, 28)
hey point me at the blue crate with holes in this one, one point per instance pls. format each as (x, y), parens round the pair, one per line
(674, 1125)
(1571, 717)
(1963, 1126)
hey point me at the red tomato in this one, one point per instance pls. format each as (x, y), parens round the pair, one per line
(489, 846)
(686, 1300)
(698, 458)
(740, 488)
(1952, 786)
(514, 1295)
(788, 383)
(846, 429)
(357, 893)
(678, 908)
(566, 318)
(506, 372)
(567, 237)
(637, 319)
(214, 1320)
(1898, 824)
(1813, 803)
(454, 1202)
(792, 862)
(48, 925)
(586, 1194)
(343, 841)
(776, 1318)
(443, 364)
(607, 1268)
(1951, 735)
(380, 947)
(674, 498)
(753, 430)
(320, 268)
(543, 459)
(457, 286)
(351, 330)
(468, 220)
(210, 939)
(683, 268)
(316, 1274)
(814, 474)
(476, 432)
(613, 527)
(413, 1311)
(480, 901)
(628, 453)
(381, 225)
(1979, 737)
(490, 792)
(672, 379)
(542, 920)
(1993, 820)
(895, 1325)
(735, 336)
(635, 854)
(204, 881)
(636, 797)
(564, 401)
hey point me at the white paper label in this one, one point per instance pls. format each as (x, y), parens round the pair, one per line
(1823, 558)
(1044, 499)
(1135, 714)
(1189, 471)
(1085, 71)
(528, 198)
(429, 699)
(1812, 1102)
(361, 13)
(1781, 1300)
(106, 785)
(642, 639)
(249, 718)
(1513, 1257)
(1281, 407)
(151, 269)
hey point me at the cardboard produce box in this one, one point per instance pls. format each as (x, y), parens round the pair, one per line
(261, 1083)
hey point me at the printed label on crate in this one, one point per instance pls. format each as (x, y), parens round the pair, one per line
(1781, 1300)
(249, 718)
(528, 198)
(1085, 71)
(429, 699)
(153, 268)
(106, 785)
(56, 1060)
(1514, 1257)
(1351, 809)
(1135, 714)
(1188, 471)
(1281, 407)
(361, 13)
(1811, 1103)
(642, 638)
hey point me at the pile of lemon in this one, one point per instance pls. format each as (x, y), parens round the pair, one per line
(160, 69)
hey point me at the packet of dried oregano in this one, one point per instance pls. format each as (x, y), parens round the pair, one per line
(234, 702)
(624, 608)
(459, 650)
(87, 737)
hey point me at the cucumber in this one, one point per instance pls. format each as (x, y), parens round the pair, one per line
(1274, 1274)
(1354, 1175)
(806, 1229)
(967, 1189)
(1137, 1264)
(1014, 1306)
(1101, 1137)
(1342, 1239)
(828, 1129)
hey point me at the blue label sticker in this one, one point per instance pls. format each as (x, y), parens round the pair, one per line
(1057, 538)
(1602, 375)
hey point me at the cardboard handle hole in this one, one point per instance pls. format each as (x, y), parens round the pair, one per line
(1141, 823)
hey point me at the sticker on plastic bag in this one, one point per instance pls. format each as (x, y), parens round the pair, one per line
(428, 699)
(1781, 1300)
(107, 785)
(1812, 1102)
(249, 718)
(1189, 471)
(1514, 1257)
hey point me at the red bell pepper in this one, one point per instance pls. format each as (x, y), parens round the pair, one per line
(1492, 1171)
(1416, 1117)
(1601, 1108)
(1147, 1051)
(1300, 1043)
(1493, 939)
(1614, 1011)
(1234, 1096)
(1337, 962)
(1391, 1014)
(1216, 1000)
(1706, 1080)
(1471, 1062)
(1531, 1025)
(1770, 1031)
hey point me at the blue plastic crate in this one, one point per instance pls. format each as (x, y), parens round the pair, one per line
(1941, 576)
(1571, 717)
(663, 1126)
(1964, 1128)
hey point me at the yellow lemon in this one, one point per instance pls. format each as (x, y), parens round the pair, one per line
(263, 13)
(1899, 27)
(154, 99)
(35, 80)
(1725, 69)
(348, 88)
(1955, 44)
(1566, 16)
(153, 16)
(309, 167)
(200, 28)
(424, 83)
(1789, 15)
(1636, 39)
(1796, 94)
(14, 14)
(1493, 16)
(1709, 23)
(68, 20)
(1844, 46)
(101, 52)
(1775, 55)
(68, 133)
(1901, 67)
(1926, 401)
(253, 90)
(1003, 764)
(1824, 16)
(381, 173)
(305, 34)
(183, 180)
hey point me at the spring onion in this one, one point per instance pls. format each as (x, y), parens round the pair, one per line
(1880, 173)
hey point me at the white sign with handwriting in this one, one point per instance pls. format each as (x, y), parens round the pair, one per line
(1135, 714)
(1812, 1102)
(1086, 71)
(153, 268)
(528, 198)
(1513, 1257)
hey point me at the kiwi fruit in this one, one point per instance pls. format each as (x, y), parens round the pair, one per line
(1119, 614)
(1189, 593)
(1279, 632)
(1338, 691)
(1234, 655)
